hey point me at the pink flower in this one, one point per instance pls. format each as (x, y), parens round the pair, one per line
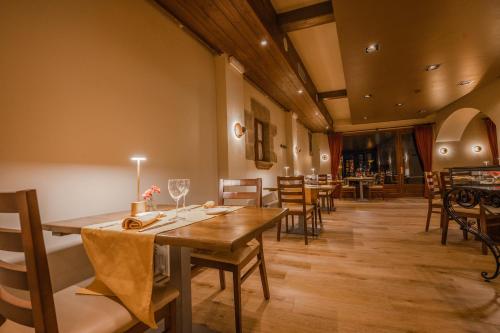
(147, 194)
(155, 189)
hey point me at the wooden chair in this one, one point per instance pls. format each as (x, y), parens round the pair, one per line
(325, 196)
(41, 311)
(434, 200)
(236, 261)
(348, 189)
(292, 195)
(377, 188)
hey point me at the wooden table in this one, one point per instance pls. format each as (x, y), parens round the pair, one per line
(361, 181)
(225, 232)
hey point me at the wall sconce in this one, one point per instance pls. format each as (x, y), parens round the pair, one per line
(443, 150)
(297, 150)
(477, 149)
(239, 130)
(324, 157)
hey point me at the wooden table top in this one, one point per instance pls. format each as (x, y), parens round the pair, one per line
(224, 232)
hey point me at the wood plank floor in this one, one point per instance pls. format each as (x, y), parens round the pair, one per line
(373, 269)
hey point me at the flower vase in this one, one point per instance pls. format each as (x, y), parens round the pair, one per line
(151, 206)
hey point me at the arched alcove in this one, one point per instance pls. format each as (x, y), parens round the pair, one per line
(454, 126)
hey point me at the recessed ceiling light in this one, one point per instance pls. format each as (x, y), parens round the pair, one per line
(365, 117)
(367, 96)
(400, 104)
(422, 111)
(432, 67)
(372, 48)
(316, 113)
(300, 91)
(465, 82)
(327, 127)
(263, 42)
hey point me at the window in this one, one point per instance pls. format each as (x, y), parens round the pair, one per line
(260, 151)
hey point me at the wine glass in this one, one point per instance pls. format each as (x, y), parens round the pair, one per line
(186, 183)
(175, 191)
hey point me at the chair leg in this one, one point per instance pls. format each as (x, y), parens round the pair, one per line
(262, 269)
(170, 319)
(465, 232)
(278, 229)
(286, 227)
(429, 213)
(444, 232)
(320, 219)
(305, 230)
(484, 229)
(222, 278)
(237, 299)
(293, 222)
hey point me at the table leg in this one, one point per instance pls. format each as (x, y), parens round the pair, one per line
(361, 191)
(180, 277)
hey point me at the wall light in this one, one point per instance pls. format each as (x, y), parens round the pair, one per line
(324, 157)
(239, 130)
(443, 150)
(477, 149)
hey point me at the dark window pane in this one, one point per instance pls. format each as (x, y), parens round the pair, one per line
(412, 167)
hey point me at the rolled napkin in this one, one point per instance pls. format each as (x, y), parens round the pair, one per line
(208, 204)
(141, 220)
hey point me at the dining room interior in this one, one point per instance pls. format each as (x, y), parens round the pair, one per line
(249, 166)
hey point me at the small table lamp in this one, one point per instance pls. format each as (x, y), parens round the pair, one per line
(138, 159)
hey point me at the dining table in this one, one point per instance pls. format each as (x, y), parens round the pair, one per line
(362, 181)
(226, 232)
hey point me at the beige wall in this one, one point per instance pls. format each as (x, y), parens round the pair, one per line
(234, 95)
(302, 159)
(320, 146)
(460, 152)
(87, 84)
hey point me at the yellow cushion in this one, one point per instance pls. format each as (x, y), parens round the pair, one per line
(297, 208)
(93, 314)
(236, 257)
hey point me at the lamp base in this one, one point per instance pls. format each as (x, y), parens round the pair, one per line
(137, 207)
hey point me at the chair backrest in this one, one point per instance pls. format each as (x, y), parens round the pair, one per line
(444, 181)
(292, 190)
(33, 276)
(232, 189)
(432, 185)
(323, 179)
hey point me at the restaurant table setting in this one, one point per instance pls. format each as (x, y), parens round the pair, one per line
(121, 253)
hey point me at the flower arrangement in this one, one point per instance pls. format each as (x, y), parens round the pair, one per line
(148, 196)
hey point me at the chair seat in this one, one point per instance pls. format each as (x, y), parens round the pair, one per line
(437, 202)
(235, 258)
(348, 187)
(376, 187)
(472, 212)
(93, 314)
(323, 194)
(297, 208)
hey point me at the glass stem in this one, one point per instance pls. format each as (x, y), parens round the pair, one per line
(184, 203)
(176, 206)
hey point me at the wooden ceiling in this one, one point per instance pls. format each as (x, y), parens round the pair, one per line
(462, 36)
(237, 27)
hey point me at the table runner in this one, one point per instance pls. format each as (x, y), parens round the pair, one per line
(123, 259)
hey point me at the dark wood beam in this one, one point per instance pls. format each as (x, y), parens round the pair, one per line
(307, 17)
(334, 94)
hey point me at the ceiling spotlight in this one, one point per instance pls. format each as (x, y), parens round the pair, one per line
(432, 67)
(400, 104)
(327, 127)
(316, 113)
(367, 96)
(263, 42)
(422, 111)
(465, 82)
(372, 48)
(365, 117)
(300, 91)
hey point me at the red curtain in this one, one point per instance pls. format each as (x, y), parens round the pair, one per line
(335, 143)
(424, 138)
(491, 130)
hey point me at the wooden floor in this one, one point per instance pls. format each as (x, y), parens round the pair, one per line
(373, 269)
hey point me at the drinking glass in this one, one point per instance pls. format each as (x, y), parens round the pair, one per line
(186, 183)
(175, 191)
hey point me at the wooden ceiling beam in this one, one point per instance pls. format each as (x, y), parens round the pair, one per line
(268, 17)
(333, 94)
(307, 17)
